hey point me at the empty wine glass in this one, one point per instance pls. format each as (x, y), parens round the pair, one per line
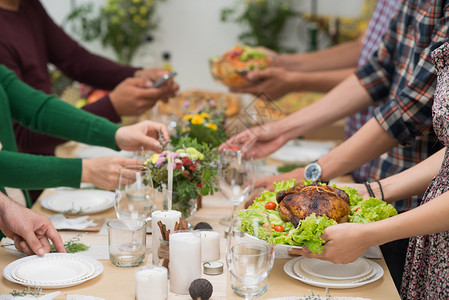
(235, 176)
(134, 199)
(134, 195)
(249, 251)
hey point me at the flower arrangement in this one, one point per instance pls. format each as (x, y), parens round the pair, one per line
(206, 125)
(194, 172)
(122, 25)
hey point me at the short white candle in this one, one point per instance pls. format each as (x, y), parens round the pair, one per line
(168, 218)
(185, 260)
(210, 245)
(151, 283)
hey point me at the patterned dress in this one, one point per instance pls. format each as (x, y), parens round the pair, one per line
(426, 274)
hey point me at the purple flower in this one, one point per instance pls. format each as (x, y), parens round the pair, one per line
(186, 104)
(160, 161)
(212, 102)
(174, 155)
(199, 107)
(174, 166)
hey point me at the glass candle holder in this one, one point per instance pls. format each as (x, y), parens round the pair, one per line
(168, 218)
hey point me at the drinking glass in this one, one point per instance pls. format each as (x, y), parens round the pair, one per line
(249, 251)
(235, 176)
(134, 195)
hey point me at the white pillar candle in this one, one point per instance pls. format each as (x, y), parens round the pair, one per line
(210, 245)
(151, 283)
(185, 260)
(168, 218)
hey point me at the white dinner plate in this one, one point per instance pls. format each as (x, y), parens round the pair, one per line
(301, 273)
(53, 270)
(289, 269)
(79, 201)
(329, 270)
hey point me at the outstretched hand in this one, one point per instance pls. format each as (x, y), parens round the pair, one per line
(30, 231)
(144, 134)
(257, 141)
(273, 82)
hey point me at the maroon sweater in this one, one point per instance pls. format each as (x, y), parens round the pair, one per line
(29, 39)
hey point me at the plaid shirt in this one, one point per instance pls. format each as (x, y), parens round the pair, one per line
(402, 72)
(377, 27)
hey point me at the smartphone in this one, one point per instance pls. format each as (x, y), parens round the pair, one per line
(163, 79)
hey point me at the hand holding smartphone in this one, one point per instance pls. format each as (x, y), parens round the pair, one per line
(163, 79)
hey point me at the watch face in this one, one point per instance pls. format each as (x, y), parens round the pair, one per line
(313, 172)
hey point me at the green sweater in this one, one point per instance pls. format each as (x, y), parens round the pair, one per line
(46, 114)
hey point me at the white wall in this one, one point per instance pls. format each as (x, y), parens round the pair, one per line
(192, 31)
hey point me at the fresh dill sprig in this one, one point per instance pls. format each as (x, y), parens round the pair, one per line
(73, 245)
(312, 296)
(36, 291)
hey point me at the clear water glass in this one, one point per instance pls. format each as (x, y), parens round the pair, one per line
(249, 251)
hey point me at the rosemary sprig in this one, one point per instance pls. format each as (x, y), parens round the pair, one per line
(73, 245)
(312, 296)
(36, 291)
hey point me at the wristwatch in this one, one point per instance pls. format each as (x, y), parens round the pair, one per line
(312, 172)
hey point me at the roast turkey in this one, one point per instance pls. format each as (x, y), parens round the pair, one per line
(297, 203)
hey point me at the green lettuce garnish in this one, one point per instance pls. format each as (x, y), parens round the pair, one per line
(251, 216)
(371, 210)
(309, 231)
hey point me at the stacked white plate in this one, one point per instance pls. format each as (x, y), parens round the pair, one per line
(326, 274)
(79, 201)
(53, 270)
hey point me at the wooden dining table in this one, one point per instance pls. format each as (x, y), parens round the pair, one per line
(118, 283)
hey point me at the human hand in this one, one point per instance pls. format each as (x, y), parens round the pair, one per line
(103, 171)
(258, 141)
(345, 243)
(274, 82)
(168, 89)
(29, 230)
(133, 96)
(144, 134)
(267, 182)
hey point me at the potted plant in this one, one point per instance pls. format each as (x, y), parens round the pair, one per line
(122, 25)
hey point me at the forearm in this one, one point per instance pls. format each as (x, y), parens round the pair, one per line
(334, 106)
(47, 114)
(365, 145)
(413, 181)
(338, 57)
(25, 171)
(4, 203)
(321, 81)
(428, 218)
